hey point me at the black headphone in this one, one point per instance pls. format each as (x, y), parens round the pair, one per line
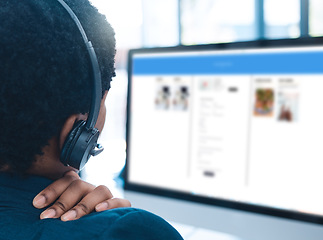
(81, 142)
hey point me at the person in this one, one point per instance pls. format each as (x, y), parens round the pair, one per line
(45, 90)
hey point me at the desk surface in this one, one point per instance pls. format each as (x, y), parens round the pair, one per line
(194, 233)
(205, 222)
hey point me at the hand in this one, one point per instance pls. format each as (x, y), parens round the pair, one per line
(75, 198)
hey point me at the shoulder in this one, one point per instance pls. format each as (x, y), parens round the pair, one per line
(116, 224)
(121, 224)
(140, 224)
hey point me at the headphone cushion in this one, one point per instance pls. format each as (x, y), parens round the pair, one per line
(70, 141)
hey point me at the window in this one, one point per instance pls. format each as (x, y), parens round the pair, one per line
(125, 16)
(282, 18)
(316, 18)
(210, 21)
(160, 23)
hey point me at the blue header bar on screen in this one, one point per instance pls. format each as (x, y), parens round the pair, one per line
(288, 62)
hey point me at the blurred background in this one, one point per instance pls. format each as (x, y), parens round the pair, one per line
(157, 23)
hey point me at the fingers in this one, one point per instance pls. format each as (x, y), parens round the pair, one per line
(53, 191)
(75, 198)
(111, 204)
(69, 198)
(88, 203)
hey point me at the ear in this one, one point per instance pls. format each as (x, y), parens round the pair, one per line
(68, 126)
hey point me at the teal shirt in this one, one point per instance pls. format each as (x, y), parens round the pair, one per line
(20, 220)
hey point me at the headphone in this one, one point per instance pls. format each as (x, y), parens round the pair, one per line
(81, 142)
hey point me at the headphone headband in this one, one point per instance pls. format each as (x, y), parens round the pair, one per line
(97, 88)
(81, 142)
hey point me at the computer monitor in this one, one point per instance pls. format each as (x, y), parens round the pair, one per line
(235, 125)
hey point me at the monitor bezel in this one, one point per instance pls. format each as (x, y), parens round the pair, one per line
(241, 206)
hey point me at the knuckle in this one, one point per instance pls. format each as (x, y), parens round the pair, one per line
(78, 182)
(83, 208)
(70, 178)
(104, 191)
(50, 191)
(71, 175)
(61, 206)
(83, 187)
(102, 188)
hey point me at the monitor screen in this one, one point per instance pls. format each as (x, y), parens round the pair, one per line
(238, 126)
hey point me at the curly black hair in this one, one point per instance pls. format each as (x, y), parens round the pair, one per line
(45, 73)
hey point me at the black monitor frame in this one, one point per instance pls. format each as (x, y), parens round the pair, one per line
(259, 44)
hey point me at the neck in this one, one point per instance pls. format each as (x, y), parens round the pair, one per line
(48, 164)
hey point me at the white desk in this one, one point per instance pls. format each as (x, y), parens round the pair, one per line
(218, 223)
(194, 233)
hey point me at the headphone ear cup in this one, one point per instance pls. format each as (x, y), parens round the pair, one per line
(70, 141)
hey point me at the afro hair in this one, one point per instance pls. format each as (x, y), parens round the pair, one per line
(45, 73)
